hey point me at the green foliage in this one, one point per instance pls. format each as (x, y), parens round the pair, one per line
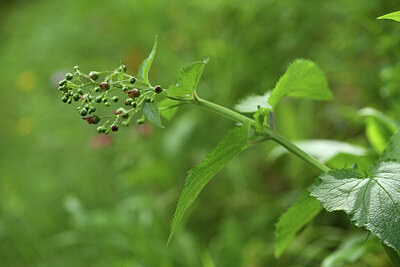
(392, 151)
(198, 177)
(144, 68)
(150, 111)
(302, 79)
(293, 220)
(188, 79)
(394, 16)
(371, 202)
(251, 103)
(167, 109)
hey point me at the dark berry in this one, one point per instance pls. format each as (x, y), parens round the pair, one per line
(104, 86)
(93, 75)
(132, 80)
(114, 128)
(158, 89)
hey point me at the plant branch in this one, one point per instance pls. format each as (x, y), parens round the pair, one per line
(267, 132)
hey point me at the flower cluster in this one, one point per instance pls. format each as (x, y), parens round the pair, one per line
(124, 93)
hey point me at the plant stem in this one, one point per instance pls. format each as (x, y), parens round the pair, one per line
(268, 132)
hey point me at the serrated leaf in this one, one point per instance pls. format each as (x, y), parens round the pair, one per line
(251, 103)
(188, 79)
(392, 150)
(146, 64)
(394, 16)
(151, 113)
(293, 220)
(234, 142)
(167, 109)
(323, 150)
(372, 202)
(303, 79)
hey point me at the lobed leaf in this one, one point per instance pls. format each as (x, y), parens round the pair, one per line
(293, 220)
(303, 79)
(251, 103)
(146, 64)
(234, 142)
(394, 16)
(150, 111)
(188, 79)
(372, 202)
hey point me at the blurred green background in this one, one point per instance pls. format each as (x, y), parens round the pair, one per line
(69, 197)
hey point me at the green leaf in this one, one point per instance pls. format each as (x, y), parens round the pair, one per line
(349, 251)
(293, 220)
(167, 109)
(150, 111)
(392, 151)
(251, 103)
(323, 150)
(188, 79)
(302, 79)
(383, 119)
(146, 64)
(372, 202)
(394, 16)
(234, 142)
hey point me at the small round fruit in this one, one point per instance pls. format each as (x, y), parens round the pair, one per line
(68, 76)
(114, 128)
(133, 93)
(158, 89)
(94, 75)
(132, 80)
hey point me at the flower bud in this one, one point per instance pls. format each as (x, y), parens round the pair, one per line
(104, 86)
(93, 75)
(132, 80)
(115, 98)
(68, 76)
(133, 93)
(114, 128)
(158, 89)
(92, 119)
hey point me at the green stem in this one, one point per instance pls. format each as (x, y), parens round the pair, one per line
(268, 132)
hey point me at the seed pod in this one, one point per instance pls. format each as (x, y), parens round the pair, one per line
(158, 89)
(104, 86)
(94, 75)
(133, 93)
(92, 119)
(132, 80)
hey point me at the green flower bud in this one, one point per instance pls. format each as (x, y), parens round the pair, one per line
(80, 91)
(68, 76)
(83, 112)
(76, 97)
(64, 99)
(133, 93)
(76, 68)
(104, 86)
(132, 80)
(128, 102)
(94, 75)
(107, 104)
(115, 98)
(69, 101)
(104, 99)
(133, 104)
(98, 99)
(125, 123)
(62, 82)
